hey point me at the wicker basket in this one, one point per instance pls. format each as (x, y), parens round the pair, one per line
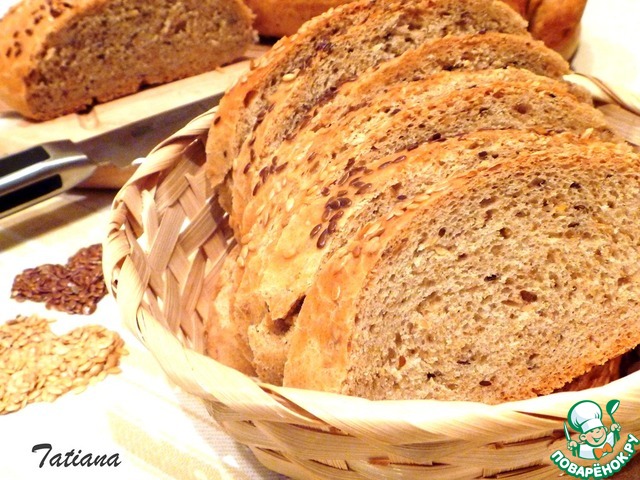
(167, 239)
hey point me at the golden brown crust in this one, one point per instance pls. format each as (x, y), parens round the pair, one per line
(61, 57)
(222, 339)
(596, 377)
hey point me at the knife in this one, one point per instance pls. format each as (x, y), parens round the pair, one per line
(43, 171)
(566, 434)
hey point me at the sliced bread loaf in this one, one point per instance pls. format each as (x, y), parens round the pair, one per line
(335, 47)
(504, 283)
(400, 78)
(271, 296)
(444, 104)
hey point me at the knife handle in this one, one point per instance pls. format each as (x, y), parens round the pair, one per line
(40, 172)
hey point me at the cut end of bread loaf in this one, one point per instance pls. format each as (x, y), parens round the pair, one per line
(64, 57)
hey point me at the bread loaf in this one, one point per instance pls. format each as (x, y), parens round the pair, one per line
(283, 264)
(336, 47)
(275, 277)
(503, 283)
(557, 23)
(468, 52)
(60, 57)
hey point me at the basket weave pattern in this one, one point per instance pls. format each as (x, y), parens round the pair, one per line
(166, 242)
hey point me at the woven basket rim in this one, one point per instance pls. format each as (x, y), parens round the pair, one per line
(422, 422)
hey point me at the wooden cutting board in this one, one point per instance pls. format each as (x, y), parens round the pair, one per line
(22, 133)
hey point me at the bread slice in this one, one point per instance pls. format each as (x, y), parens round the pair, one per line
(223, 342)
(465, 52)
(491, 50)
(335, 47)
(504, 283)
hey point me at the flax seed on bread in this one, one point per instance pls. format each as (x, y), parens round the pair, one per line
(490, 50)
(268, 296)
(256, 158)
(306, 239)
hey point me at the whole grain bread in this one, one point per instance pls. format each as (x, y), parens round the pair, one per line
(503, 283)
(381, 115)
(286, 225)
(58, 57)
(270, 291)
(436, 160)
(336, 47)
(256, 156)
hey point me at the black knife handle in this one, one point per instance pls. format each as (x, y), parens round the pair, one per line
(38, 173)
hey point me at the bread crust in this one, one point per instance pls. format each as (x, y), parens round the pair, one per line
(556, 22)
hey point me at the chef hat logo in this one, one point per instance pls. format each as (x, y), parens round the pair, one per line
(585, 416)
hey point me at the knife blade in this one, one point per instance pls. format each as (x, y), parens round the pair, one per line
(43, 171)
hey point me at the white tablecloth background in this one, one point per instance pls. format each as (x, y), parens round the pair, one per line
(158, 431)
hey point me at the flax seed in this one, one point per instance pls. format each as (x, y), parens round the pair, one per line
(315, 230)
(74, 288)
(322, 239)
(38, 366)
